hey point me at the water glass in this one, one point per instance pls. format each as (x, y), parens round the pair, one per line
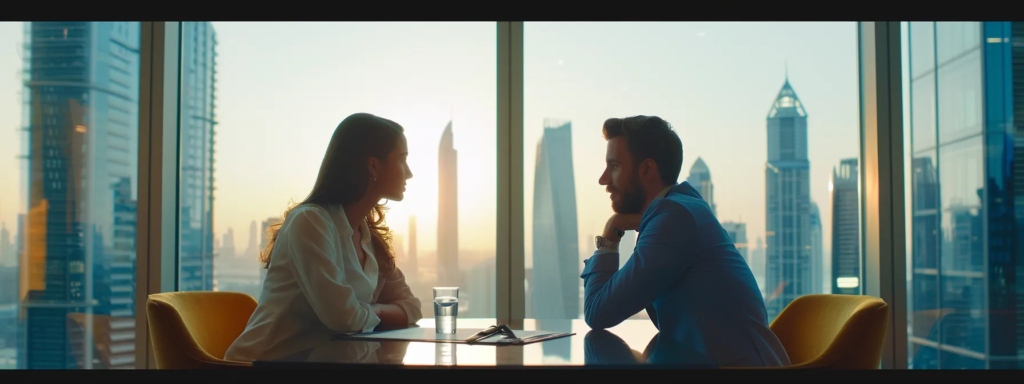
(446, 309)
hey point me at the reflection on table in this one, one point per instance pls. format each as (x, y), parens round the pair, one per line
(634, 342)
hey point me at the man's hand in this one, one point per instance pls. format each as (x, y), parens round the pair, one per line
(622, 222)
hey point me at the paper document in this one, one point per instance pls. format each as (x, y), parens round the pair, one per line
(431, 335)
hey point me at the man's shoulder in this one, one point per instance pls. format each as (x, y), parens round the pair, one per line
(690, 215)
(668, 208)
(677, 203)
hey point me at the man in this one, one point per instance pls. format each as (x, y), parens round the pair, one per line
(685, 270)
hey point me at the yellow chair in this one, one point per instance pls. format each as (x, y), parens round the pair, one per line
(192, 330)
(833, 331)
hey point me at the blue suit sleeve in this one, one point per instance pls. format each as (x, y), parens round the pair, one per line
(659, 259)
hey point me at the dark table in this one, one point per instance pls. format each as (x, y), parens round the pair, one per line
(634, 343)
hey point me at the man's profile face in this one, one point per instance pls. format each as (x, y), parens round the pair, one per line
(621, 178)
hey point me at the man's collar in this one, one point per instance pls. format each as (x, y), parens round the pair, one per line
(664, 192)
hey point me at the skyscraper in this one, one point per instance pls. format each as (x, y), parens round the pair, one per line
(81, 93)
(788, 203)
(556, 265)
(845, 274)
(8, 300)
(411, 254)
(738, 233)
(250, 249)
(198, 122)
(817, 252)
(448, 273)
(114, 276)
(228, 245)
(757, 265)
(966, 297)
(419, 282)
(626, 246)
(700, 179)
(7, 256)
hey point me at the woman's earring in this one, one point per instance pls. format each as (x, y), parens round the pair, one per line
(373, 178)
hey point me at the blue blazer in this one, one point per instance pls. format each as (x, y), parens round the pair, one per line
(696, 287)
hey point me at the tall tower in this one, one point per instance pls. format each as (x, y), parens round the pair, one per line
(198, 122)
(817, 251)
(7, 255)
(81, 94)
(757, 265)
(448, 273)
(700, 179)
(787, 203)
(556, 265)
(250, 250)
(845, 274)
(412, 263)
(228, 245)
(738, 233)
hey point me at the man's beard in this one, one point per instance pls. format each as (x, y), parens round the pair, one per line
(632, 198)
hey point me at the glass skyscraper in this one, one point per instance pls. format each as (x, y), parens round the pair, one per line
(198, 123)
(966, 291)
(700, 179)
(556, 264)
(846, 260)
(788, 204)
(81, 121)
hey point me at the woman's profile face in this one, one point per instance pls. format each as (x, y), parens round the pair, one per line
(396, 172)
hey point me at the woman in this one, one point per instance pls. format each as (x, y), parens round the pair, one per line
(330, 268)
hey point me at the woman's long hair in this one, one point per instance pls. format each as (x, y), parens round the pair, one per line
(345, 177)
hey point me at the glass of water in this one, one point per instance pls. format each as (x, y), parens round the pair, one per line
(446, 308)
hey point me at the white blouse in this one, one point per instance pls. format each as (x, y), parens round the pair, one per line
(316, 288)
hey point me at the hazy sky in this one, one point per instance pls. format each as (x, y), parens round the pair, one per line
(284, 87)
(10, 123)
(714, 82)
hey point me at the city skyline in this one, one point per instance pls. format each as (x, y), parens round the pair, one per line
(250, 148)
(231, 31)
(79, 257)
(236, 177)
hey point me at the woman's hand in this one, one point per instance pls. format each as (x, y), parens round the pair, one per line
(390, 314)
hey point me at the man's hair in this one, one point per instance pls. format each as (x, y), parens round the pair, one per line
(649, 137)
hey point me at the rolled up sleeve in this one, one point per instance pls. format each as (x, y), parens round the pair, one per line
(396, 291)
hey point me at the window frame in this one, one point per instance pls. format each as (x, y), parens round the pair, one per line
(882, 178)
(157, 212)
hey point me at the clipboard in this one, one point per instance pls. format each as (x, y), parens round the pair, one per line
(430, 335)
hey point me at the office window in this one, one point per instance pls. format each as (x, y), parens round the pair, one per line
(259, 104)
(69, 168)
(768, 117)
(965, 272)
